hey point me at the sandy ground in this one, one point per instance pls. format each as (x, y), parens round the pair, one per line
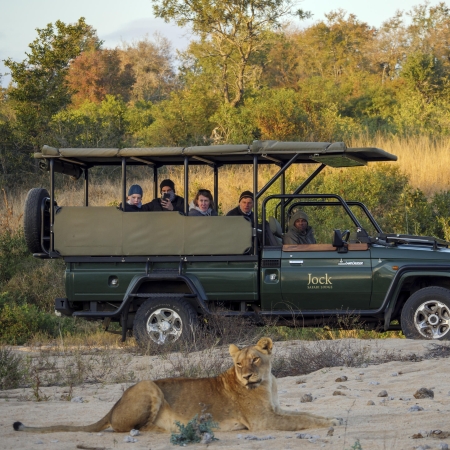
(386, 424)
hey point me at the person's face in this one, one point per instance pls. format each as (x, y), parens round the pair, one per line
(203, 202)
(135, 199)
(246, 205)
(301, 224)
(165, 190)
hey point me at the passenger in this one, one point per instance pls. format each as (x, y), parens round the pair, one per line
(245, 207)
(203, 204)
(299, 231)
(134, 199)
(169, 201)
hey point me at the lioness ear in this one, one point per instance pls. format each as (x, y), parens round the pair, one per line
(233, 350)
(266, 344)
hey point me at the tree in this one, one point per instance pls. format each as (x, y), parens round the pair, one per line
(40, 88)
(97, 73)
(231, 33)
(91, 125)
(429, 31)
(425, 73)
(152, 65)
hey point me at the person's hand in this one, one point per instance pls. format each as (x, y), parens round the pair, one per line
(167, 204)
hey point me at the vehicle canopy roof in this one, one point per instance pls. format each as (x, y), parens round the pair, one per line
(335, 154)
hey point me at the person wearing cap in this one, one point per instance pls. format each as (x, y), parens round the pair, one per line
(169, 201)
(299, 231)
(134, 199)
(245, 207)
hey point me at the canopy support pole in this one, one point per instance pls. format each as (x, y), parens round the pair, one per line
(124, 183)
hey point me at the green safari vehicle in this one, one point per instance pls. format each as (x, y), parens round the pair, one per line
(160, 274)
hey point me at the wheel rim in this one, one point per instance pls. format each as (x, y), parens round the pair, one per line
(164, 325)
(432, 319)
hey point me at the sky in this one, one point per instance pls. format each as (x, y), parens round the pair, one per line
(133, 19)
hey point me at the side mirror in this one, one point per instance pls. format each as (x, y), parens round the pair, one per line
(342, 247)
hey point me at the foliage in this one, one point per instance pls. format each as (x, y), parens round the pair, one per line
(196, 430)
(12, 369)
(151, 62)
(97, 73)
(40, 87)
(181, 120)
(20, 322)
(397, 207)
(231, 33)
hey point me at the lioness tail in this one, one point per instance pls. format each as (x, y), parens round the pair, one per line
(102, 424)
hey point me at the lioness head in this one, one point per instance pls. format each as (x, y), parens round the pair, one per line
(252, 364)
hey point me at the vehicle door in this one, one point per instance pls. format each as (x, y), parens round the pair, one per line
(317, 277)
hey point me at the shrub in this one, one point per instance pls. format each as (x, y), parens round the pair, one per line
(20, 322)
(12, 369)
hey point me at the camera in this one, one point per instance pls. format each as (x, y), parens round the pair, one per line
(166, 196)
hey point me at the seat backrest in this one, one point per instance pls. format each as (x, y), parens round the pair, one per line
(276, 230)
(275, 227)
(107, 231)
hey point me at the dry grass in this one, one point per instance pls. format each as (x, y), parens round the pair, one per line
(425, 161)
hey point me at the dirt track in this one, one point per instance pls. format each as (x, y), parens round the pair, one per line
(387, 424)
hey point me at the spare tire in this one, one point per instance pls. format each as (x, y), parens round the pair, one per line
(32, 219)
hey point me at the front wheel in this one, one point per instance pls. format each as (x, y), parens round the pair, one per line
(164, 321)
(426, 314)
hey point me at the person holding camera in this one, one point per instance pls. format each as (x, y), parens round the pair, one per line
(169, 201)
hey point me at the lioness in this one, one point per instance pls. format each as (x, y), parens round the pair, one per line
(243, 397)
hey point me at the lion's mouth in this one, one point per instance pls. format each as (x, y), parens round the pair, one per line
(253, 384)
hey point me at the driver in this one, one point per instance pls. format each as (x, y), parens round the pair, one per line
(299, 231)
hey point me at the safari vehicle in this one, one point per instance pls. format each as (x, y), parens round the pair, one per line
(160, 274)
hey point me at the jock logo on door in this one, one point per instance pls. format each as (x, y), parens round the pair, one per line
(319, 282)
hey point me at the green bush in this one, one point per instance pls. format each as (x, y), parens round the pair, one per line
(19, 323)
(37, 282)
(385, 190)
(13, 251)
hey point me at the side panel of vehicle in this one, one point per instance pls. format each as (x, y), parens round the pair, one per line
(93, 282)
(409, 282)
(100, 282)
(326, 280)
(270, 280)
(387, 261)
(233, 280)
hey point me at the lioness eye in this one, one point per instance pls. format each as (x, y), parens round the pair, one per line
(239, 364)
(255, 360)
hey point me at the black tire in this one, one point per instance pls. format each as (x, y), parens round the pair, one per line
(32, 219)
(426, 314)
(172, 319)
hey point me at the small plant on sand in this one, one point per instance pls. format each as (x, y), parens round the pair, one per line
(356, 445)
(36, 383)
(199, 429)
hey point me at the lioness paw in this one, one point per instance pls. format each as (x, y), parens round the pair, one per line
(336, 421)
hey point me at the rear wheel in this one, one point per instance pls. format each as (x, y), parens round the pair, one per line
(426, 314)
(32, 223)
(164, 321)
